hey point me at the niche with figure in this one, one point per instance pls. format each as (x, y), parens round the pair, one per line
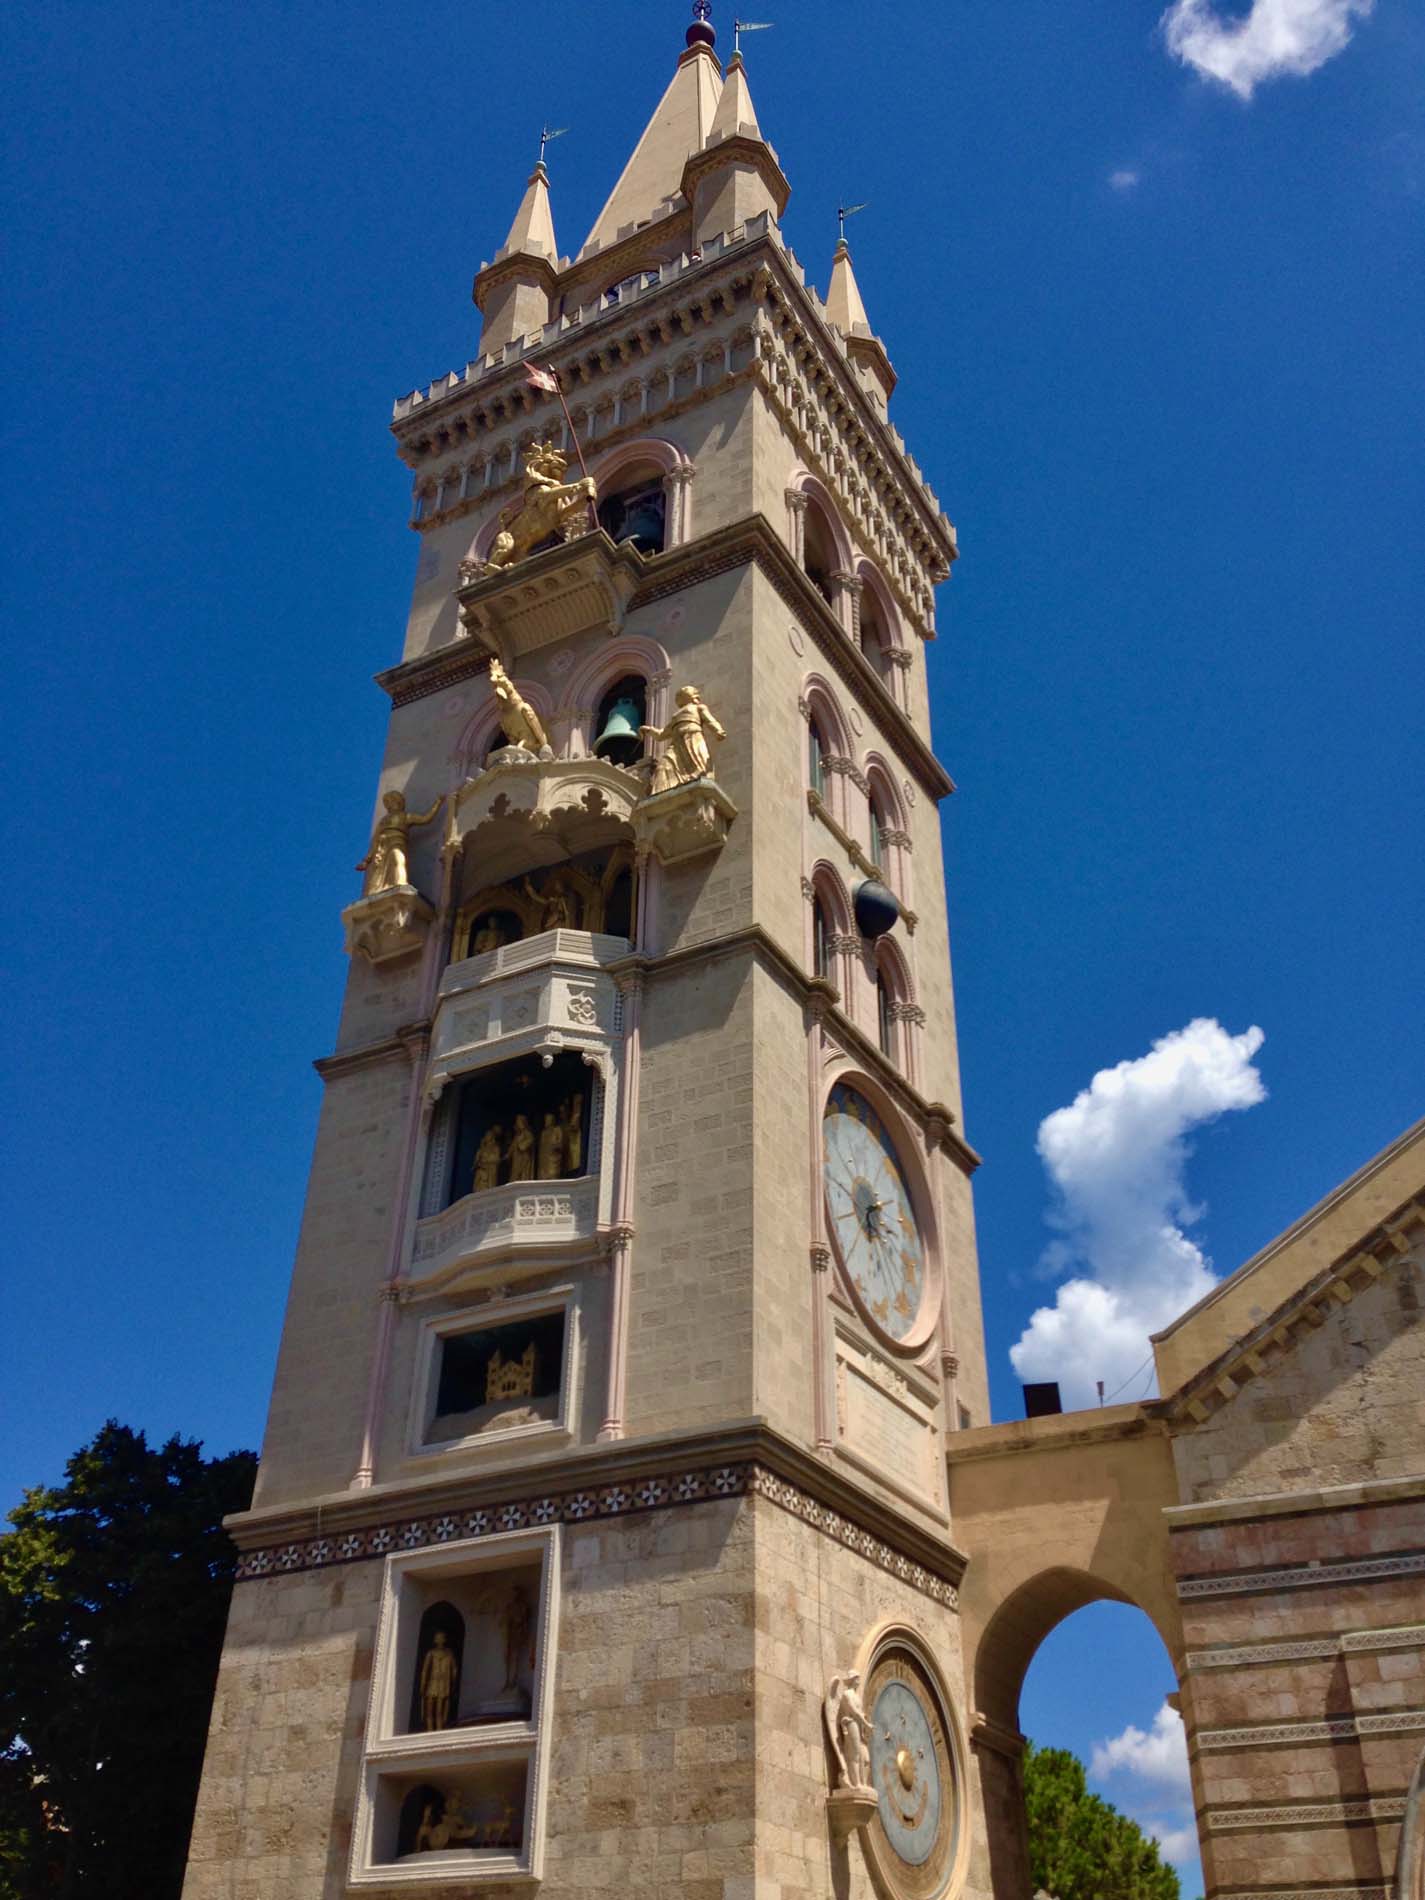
(520, 1121)
(593, 891)
(471, 1808)
(497, 1377)
(492, 1615)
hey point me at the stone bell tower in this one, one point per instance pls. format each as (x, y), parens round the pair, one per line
(601, 1538)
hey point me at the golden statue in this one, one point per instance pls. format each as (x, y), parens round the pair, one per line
(551, 1150)
(548, 505)
(518, 720)
(453, 1829)
(488, 1156)
(386, 863)
(488, 937)
(521, 1152)
(556, 903)
(686, 756)
(574, 1135)
(440, 1670)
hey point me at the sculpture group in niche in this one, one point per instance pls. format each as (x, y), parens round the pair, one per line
(454, 1828)
(549, 506)
(552, 1154)
(508, 1625)
(594, 894)
(387, 861)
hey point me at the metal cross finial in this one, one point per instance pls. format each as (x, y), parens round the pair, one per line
(702, 10)
(739, 27)
(843, 212)
(547, 134)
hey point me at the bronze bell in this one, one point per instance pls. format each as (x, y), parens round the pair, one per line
(620, 740)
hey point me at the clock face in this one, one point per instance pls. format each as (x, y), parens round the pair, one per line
(872, 1221)
(913, 1773)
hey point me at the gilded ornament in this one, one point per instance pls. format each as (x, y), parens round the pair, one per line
(685, 740)
(387, 861)
(519, 722)
(549, 505)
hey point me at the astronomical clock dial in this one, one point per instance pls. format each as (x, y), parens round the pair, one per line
(913, 1772)
(869, 1211)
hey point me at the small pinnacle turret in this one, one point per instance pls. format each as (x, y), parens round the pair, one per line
(845, 309)
(512, 292)
(736, 175)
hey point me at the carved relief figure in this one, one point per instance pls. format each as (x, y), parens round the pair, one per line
(487, 1160)
(439, 1670)
(848, 1728)
(453, 1829)
(550, 1164)
(549, 505)
(519, 722)
(574, 1135)
(556, 902)
(685, 756)
(521, 1151)
(386, 863)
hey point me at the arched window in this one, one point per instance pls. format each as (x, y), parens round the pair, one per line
(821, 940)
(816, 758)
(819, 553)
(878, 830)
(885, 1020)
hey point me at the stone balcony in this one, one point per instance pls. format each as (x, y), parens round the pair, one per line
(523, 1214)
(546, 992)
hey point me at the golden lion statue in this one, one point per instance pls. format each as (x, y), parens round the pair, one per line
(548, 505)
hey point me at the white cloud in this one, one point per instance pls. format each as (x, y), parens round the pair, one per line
(1158, 1756)
(1124, 179)
(1116, 1157)
(1275, 37)
(1177, 1844)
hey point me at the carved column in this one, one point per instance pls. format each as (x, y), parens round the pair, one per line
(797, 525)
(621, 1231)
(846, 602)
(678, 494)
(821, 997)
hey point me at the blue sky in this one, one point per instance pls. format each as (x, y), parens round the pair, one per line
(1161, 355)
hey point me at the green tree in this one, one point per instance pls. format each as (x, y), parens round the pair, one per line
(114, 1593)
(1080, 1848)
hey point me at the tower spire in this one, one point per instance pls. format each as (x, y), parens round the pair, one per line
(845, 308)
(512, 292)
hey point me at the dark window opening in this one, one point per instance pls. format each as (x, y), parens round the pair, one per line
(885, 1022)
(821, 939)
(522, 1122)
(637, 514)
(499, 1376)
(816, 760)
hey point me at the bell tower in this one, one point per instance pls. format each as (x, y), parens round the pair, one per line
(601, 1538)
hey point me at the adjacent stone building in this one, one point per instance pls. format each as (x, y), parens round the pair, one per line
(629, 1519)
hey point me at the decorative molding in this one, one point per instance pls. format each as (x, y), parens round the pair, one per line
(1307, 1649)
(800, 1504)
(1385, 1807)
(1303, 1893)
(1335, 1728)
(1235, 1583)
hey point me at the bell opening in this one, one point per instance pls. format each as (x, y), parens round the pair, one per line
(622, 712)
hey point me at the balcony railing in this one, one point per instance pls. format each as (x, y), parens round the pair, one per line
(520, 1214)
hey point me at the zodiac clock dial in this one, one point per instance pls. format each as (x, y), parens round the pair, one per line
(912, 1771)
(869, 1211)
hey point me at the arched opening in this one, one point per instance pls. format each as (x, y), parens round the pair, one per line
(634, 507)
(819, 552)
(821, 940)
(620, 714)
(885, 1019)
(441, 1638)
(1079, 1671)
(879, 827)
(816, 757)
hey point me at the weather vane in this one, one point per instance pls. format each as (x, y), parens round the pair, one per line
(843, 212)
(702, 10)
(739, 27)
(548, 133)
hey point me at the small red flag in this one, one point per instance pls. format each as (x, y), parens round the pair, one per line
(542, 378)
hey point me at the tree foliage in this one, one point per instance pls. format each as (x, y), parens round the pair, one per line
(1080, 1848)
(114, 1592)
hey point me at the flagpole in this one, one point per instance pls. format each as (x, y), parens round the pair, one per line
(553, 374)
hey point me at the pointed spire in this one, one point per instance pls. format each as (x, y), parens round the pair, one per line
(680, 126)
(735, 111)
(532, 232)
(844, 307)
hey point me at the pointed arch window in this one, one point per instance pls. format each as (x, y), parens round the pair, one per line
(885, 1018)
(820, 939)
(816, 758)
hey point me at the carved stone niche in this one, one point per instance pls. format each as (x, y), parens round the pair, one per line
(573, 588)
(388, 925)
(685, 822)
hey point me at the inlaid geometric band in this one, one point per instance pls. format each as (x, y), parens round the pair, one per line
(1302, 1576)
(1386, 1807)
(1309, 1648)
(1334, 1728)
(657, 1492)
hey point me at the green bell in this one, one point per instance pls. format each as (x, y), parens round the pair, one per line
(620, 741)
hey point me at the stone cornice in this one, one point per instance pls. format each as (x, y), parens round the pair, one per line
(1367, 1494)
(751, 541)
(1279, 1334)
(348, 1061)
(592, 1483)
(1062, 1431)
